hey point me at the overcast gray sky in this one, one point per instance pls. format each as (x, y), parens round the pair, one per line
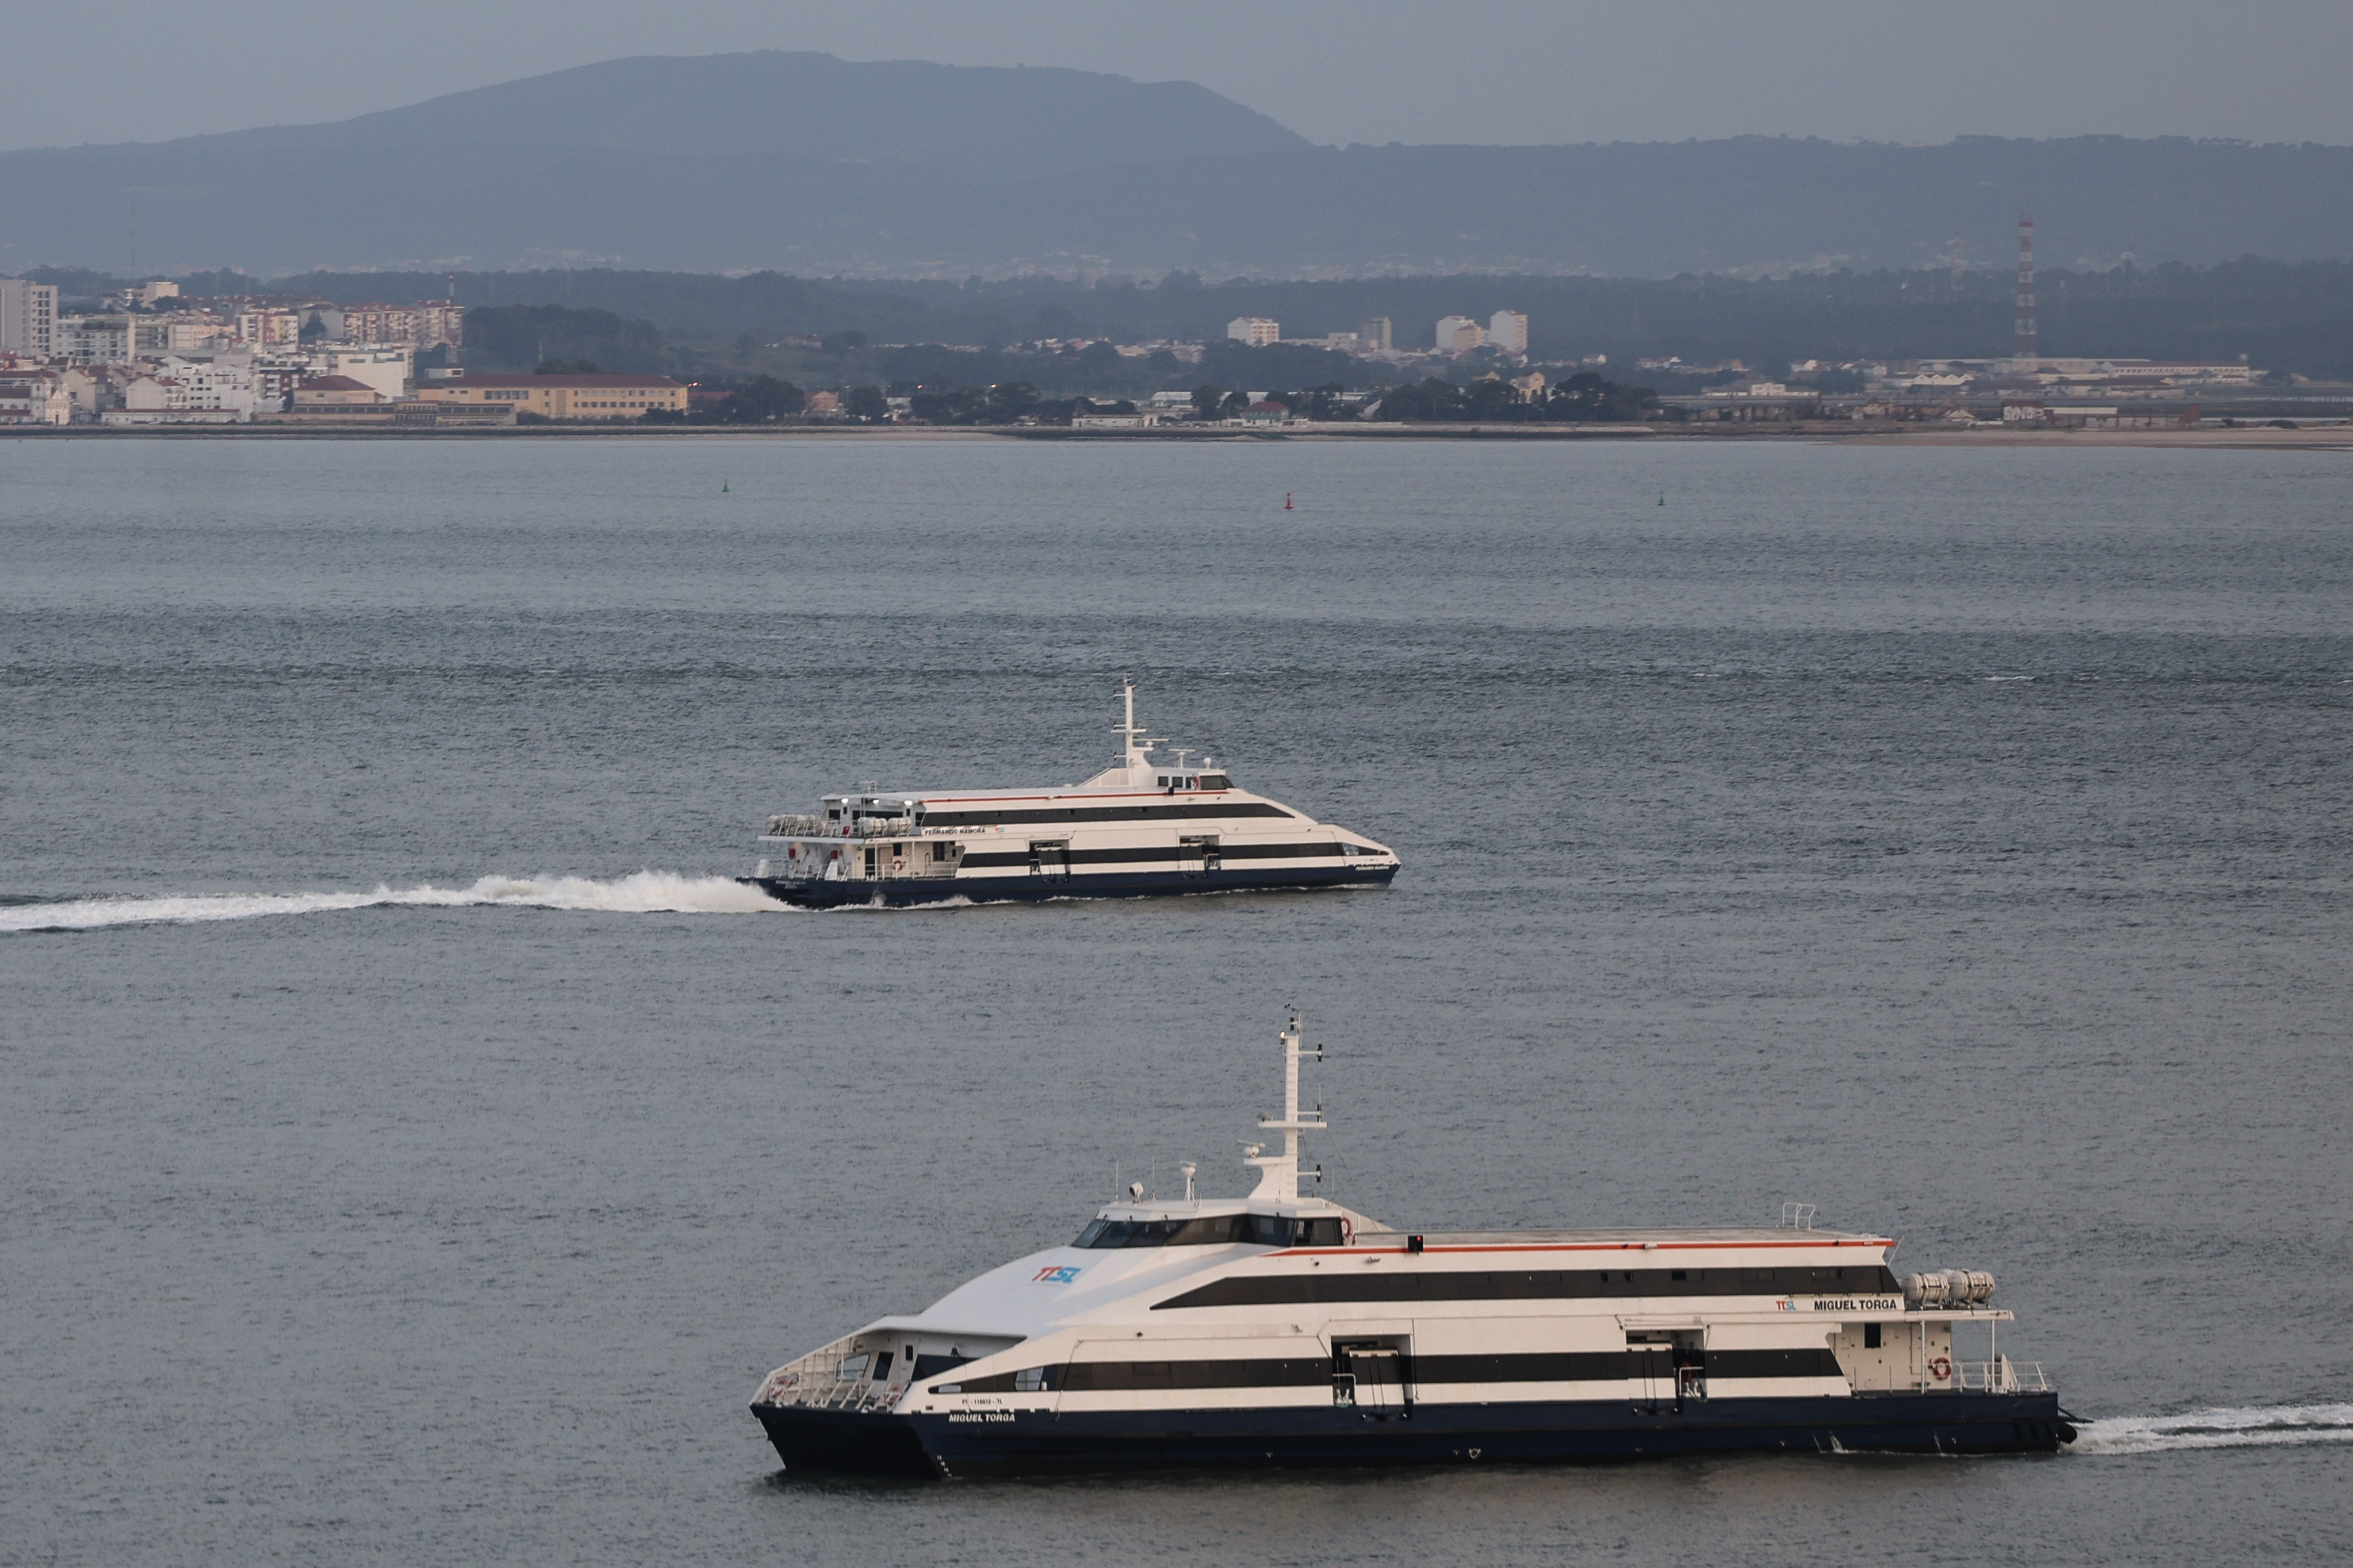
(1336, 70)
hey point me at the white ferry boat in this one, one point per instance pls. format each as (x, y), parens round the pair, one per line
(1286, 1329)
(1139, 827)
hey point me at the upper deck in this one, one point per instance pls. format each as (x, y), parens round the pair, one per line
(1134, 790)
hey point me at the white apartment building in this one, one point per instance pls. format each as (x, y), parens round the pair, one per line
(1256, 331)
(194, 331)
(28, 318)
(96, 340)
(188, 392)
(1508, 330)
(385, 367)
(269, 326)
(1458, 334)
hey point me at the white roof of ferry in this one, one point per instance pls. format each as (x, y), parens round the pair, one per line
(931, 796)
(1133, 773)
(1724, 1236)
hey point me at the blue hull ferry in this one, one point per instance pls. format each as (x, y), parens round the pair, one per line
(1284, 1329)
(1138, 828)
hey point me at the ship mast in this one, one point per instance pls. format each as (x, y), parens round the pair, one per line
(1279, 1174)
(1138, 750)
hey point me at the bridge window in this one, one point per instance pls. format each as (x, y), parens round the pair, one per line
(1215, 1230)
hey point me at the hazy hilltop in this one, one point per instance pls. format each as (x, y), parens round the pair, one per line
(816, 166)
(994, 122)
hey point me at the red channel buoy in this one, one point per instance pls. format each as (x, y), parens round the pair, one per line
(1286, 501)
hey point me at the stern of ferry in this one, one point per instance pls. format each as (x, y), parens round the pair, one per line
(835, 1409)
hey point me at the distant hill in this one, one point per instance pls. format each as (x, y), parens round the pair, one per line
(811, 165)
(995, 122)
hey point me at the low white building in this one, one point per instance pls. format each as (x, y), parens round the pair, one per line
(386, 367)
(1458, 334)
(175, 391)
(1256, 331)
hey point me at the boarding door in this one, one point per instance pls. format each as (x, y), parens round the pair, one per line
(1668, 1368)
(1372, 1376)
(1050, 859)
(1650, 1374)
(1197, 854)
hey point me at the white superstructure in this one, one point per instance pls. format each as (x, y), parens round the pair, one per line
(1284, 1328)
(1141, 827)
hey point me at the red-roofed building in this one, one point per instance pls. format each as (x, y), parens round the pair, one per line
(335, 392)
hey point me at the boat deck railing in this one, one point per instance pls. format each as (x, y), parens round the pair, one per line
(815, 1383)
(804, 824)
(2000, 1375)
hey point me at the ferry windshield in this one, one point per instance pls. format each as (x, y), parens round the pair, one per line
(1217, 1230)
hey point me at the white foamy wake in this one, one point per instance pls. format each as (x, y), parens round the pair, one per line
(647, 892)
(2263, 1426)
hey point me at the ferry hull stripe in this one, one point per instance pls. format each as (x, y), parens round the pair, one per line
(1529, 1285)
(1039, 1442)
(1565, 1366)
(901, 893)
(1064, 816)
(1156, 855)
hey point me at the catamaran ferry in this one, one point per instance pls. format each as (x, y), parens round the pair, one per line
(1139, 827)
(1286, 1330)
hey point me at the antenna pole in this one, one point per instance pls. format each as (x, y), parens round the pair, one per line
(2024, 347)
(1280, 1177)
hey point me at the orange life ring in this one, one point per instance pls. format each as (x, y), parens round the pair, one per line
(898, 865)
(1941, 1368)
(1347, 1231)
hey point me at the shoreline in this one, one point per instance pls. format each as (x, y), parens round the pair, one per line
(2252, 438)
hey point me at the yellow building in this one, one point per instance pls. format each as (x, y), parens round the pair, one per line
(562, 396)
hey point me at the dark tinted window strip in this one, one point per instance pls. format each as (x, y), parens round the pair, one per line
(1603, 1366)
(1569, 1366)
(1533, 1285)
(1189, 811)
(1153, 855)
(1112, 1376)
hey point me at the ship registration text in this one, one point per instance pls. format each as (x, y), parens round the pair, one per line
(1844, 1304)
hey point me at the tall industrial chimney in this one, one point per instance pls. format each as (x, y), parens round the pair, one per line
(2023, 346)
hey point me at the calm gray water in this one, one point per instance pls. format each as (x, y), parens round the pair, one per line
(416, 1151)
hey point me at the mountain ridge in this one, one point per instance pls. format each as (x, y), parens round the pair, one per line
(799, 103)
(810, 164)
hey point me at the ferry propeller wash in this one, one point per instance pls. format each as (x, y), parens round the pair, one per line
(1286, 1330)
(1139, 827)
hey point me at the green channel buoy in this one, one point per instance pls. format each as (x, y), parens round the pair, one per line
(723, 490)
(1662, 497)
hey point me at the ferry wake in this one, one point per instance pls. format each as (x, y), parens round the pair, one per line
(1140, 826)
(1286, 1330)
